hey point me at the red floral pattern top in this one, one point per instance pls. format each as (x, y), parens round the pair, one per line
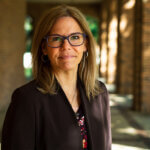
(81, 122)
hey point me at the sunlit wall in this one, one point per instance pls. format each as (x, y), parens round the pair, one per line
(109, 35)
(117, 44)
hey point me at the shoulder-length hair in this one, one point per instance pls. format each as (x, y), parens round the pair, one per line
(42, 71)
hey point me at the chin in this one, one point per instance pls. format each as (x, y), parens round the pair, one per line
(69, 68)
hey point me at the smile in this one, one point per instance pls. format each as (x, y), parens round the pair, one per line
(66, 57)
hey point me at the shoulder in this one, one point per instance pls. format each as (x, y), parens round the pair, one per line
(26, 88)
(27, 91)
(102, 86)
(103, 94)
(102, 89)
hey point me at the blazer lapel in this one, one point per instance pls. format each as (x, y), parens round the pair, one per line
(94, 119)
(86, 107)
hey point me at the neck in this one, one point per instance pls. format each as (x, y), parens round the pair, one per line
(67, 80)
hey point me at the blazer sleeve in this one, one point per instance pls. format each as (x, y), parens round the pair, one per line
(18, 131)
(107, 119)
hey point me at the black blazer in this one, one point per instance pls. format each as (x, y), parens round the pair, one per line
(36, 121)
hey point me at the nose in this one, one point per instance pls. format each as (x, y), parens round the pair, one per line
(66, 45)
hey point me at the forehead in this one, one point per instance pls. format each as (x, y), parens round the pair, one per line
(65, 26)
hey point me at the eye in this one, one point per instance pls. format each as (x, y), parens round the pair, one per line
(56, 39)
(75, 37)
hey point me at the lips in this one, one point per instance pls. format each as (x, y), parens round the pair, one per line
(66, 57)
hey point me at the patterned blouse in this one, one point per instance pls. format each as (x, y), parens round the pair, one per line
(82, 124)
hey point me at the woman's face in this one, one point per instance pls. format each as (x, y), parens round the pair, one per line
(66, 57)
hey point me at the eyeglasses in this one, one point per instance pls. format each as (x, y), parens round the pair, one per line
(56, 40)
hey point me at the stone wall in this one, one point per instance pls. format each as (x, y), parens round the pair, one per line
(12, 46)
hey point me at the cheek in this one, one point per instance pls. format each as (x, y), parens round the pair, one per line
(81, 51)
(51, 51)
(52, 54)
(84, 47)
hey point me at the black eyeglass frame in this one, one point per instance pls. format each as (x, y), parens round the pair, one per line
(65, 37)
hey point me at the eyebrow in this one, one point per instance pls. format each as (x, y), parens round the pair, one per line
(65, 35)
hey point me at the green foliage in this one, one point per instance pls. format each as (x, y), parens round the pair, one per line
(93, 25)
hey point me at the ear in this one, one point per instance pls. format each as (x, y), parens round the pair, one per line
(44, 49)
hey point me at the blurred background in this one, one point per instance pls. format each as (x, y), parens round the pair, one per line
(122, 31)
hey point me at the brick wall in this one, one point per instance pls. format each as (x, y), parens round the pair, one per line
(108, 40)
(112, 42)
(35, 10)
(12, 46)
(141, 101)
(133, 48)
(117, 44)
(104, 21)
(145, 93)
(126, 48)
(137, 84)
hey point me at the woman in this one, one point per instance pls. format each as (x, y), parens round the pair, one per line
(64, 107)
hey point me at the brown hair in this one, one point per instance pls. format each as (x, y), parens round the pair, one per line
(87, 68)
